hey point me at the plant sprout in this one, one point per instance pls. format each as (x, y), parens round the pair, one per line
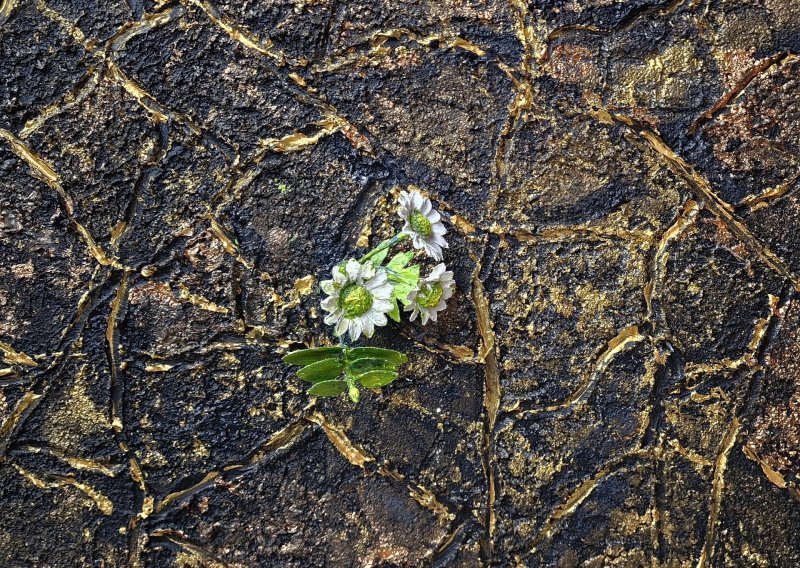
(364, 293)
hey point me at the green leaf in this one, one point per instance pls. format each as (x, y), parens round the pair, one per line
(404, 284)
(394, 357)
(325, 370)
(361, 366)
(328, 388)
(403, 278)
(378, 258)
(308, 356)
(375, 379)
(394, 313)
(400, 260)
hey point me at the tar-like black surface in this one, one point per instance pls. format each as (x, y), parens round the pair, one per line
(615, 382)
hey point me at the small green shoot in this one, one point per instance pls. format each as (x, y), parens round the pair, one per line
(337, 370)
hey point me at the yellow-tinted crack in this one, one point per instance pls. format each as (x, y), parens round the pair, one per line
(159, 112)
(689, 454)
(741, 85)
(331, 117)
(117, 389)
(280, 440)
(459, 354)
(74, 96)
(620, 343)
(244, 174)
(264, 46)
(53, 481)
(702, 190)
(42, 170)
(76, 462)
(626, 22)
(747, 359)
(23, 408)
(163, 362)
(197, 552)
(770, 195)
(360, 458)
(658, 268)
(491, 403)
(13, 357)
(577, 496)
(376, 48)
(718, 484)
(118, 305)
(777, 308)
(35, 394)
(522, 79)
(578, 232)
(6, 7)
(96, 73)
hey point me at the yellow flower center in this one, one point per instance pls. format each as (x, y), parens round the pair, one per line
(355, 300)
(420, 224)
(429, 295)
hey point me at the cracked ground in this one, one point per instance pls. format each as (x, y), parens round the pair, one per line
(615, 383)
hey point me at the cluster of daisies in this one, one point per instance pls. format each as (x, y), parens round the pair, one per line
(364, 293)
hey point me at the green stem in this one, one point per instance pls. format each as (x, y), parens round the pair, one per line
(352, 389)
(389, 243)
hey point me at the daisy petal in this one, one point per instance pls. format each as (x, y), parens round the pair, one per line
(433, 251)
(436, 273)
(353, 269)
(376, 281)
(382, 292)
(333, 318)
(367, 325)
(439, 240)
(381, 306)
(377, 318)
(355, 329)
(367, 271)
(330, 303)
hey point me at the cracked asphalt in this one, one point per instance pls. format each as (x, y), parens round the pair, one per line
(616, 381)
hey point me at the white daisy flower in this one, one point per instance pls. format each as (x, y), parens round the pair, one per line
(358, 299)
(422, 223)
(431, 294)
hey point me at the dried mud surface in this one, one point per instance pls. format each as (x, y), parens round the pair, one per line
(616, 382)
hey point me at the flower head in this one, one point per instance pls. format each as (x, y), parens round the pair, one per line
(358, 299)
(431, 294)
(422, 223)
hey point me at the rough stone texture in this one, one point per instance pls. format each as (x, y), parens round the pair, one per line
(616, 381)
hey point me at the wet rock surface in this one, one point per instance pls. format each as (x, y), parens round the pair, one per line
(615, 381)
